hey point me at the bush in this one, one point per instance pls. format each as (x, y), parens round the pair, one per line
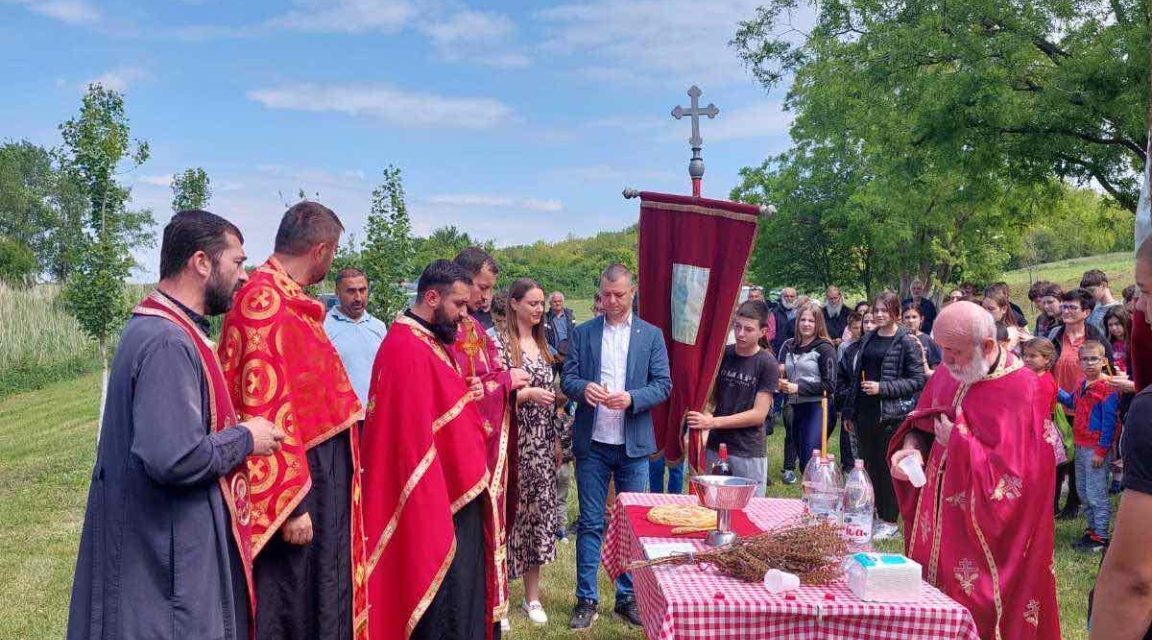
(18, 265)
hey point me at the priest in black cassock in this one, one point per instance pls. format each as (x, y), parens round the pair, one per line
(165, 550)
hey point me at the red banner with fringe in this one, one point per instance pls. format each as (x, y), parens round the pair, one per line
(692, 259)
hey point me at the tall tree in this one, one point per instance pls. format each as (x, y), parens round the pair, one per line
(388, 247)
(40, 207)
(1042, 88)
(191, 189)
(96, 142)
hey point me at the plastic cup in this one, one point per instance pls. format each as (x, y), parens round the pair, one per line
(913, 467)
(778, 581)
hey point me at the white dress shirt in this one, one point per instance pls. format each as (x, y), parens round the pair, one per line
(608, 427)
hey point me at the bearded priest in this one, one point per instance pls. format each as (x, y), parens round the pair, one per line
(476, 355)
(307, 531)
(426, 475)
(982, 526)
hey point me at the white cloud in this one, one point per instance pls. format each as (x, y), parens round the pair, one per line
(669, 41)
(119, 79)
(758, 121)
(346, 16)
(476, 36)
(470, 26)
(391, 105)
(69, 11)
(483, 200)
(156, 181)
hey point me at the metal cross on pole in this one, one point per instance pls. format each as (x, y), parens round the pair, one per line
(696, 164)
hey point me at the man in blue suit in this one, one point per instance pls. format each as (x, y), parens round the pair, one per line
(616, 371)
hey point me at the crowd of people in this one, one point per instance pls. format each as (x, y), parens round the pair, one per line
(323, 473)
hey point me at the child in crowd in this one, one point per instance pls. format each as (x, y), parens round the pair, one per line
(913, 319)
(1117, 323)
(1093, 425)
(1040, 356)
(852, 332)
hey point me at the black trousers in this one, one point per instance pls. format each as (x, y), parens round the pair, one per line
(459, 610)
(872, 439)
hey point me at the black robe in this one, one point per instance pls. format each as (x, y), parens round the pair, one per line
(305, 592)
(156, 558)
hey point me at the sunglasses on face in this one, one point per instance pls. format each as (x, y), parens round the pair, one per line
(1070, 307)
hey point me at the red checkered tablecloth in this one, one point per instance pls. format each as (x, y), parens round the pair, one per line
(689, 602)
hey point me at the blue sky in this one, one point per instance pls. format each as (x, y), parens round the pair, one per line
(512, 120)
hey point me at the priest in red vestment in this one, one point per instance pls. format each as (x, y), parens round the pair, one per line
(426, 475)
(982, 526)
(476, 355)
(307, 529)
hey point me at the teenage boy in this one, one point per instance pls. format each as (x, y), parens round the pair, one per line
(743, 397)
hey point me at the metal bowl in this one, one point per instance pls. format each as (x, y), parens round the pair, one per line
(724, 492)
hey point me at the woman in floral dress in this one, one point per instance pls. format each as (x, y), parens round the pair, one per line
(532, 536)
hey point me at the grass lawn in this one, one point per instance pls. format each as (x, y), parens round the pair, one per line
(47, 445)
(1118, 266)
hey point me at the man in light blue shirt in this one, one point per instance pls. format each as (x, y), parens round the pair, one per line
(354, 332)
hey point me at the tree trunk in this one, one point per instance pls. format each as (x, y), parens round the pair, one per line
(103, 387)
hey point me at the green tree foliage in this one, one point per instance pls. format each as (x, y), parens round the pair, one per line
(96, 142)
(191, 189)
(1032, 90)
(444, 243)
(387, 255)
(572, 265)
(18, 264)
(40, 208)
(1080, 224)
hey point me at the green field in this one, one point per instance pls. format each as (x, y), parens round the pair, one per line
(1066, 273)
(47, 446)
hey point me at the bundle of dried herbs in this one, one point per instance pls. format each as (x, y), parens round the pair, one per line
(813, 552)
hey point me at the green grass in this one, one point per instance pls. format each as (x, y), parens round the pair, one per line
(47, 446)
(1118, 266)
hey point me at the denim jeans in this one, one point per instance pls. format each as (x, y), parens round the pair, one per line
(1092, 487)
(656, 467)
(593, 471)
(754, 468)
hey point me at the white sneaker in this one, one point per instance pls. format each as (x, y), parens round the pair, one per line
(535, 612)
(505, 625)
(885, 531)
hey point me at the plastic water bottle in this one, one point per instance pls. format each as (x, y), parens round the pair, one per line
(837, 486)
(858, 505)
(822, 491)
(807, 484)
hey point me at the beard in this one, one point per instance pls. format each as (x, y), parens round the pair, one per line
(218, 295)
(788, 305)
(975, 369)
(834, 309)
(444, 327)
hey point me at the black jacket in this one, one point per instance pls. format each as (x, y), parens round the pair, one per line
(901, 377)
(784, 328)
(837, 325)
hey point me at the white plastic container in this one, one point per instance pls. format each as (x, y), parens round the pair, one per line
(883, 577)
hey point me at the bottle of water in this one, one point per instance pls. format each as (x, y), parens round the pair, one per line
(858, 505)
(821, 490)
(807, 484)
(837, 487)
